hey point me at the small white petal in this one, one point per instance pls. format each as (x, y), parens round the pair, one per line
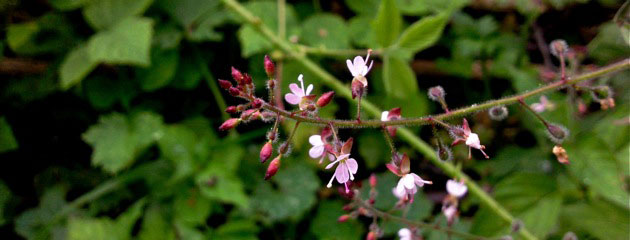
(332, 164)
(316, 151)
(473, 141)
(352, 165)
(316, 140)
(409, 181)
(292, 98)
(295, 89)
(455, 188)
(351, 67)
(404, 234)
(309, 89)
(384, 115)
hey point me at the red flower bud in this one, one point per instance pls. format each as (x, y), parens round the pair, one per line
(270, 68)
(373, 180)
(229, 124)
(357, 88)
(273, 167)
(250, 114)
(257, 103)
(234, 91)
(265, 152)
(237, 75)
(394, 114)
(225, 84)
(271, 83)
(325, 99)
(343, 218)
(247, 79)
(231, 110)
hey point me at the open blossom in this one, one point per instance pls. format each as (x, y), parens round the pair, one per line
(463, 134)
(405, 234)
(298, 93)
(543, 105)
(346, 166)
(408, 186)
(455, 188)
(319, 148)
(358, 68)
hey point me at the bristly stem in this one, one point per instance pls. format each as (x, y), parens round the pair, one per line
(283, 148)
(359, 109)
(389, 140)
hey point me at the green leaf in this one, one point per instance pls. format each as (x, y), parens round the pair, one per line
(7, 140)
(423, 33)
(360, 34)
(609, 44)
(237, 230)
(325, 225)
(103, 14)
(326, 30)
(218, 180)
(364, 7)
(20, 35)
(599, 219)
(398, 78)
(155, 226)
(66, 5)
(49, 33)
(251, 41)
(178, 146)
(103, 92)
(105, 228)
(388, 23)
(75, 66)
(370, 148)
(187, 12)
(187, 75)
(36, 223)
(127, 42)
(161, 71)
(191, 208)
(413, 7)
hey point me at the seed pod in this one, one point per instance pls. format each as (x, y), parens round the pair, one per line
(498, 113)
(557, 133)
(436, 93)
(357, 88)
(444, 153)
(559, 47)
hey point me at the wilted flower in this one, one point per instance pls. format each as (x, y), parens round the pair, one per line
(346, 166)
(358, 68)
(543, 105)
(561, 154)
(455, 188)
(298, 93)
(463, 134)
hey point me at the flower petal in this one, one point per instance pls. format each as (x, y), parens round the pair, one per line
(316, 140)
(351, 67)
(341, 173)
(457, 189)
(295, 89)
(358, 64)
(316, 151)
(404, 234)
(292, 98)
(409, 181)
(352, 165)
(419, 181)
(473, 141)
(331, 164)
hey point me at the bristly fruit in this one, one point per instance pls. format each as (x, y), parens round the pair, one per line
(559, 47)
(557, 133)
(436, 93)
(498, 113)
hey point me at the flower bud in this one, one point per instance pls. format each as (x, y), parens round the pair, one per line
(325, 99)
(557, 133)
(273, 167)
(558, 47)
(237, 75)
(343, 218)
(373, 180)
(271, 83)
(225, 84)
(347, 207)
(247, 79)
(265, 152)
(234, 91)
(272, 135)
(231, 109)
(436, 93)
(229, 124)
(498, 113)
(250, 114)
(270, 68)
(257, 103)
(357, 88)
(561, 154)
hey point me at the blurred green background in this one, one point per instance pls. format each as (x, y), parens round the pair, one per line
(109, 112)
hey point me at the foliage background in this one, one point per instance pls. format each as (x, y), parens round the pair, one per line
(109, 111)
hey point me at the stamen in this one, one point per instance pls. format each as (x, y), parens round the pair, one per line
(330, 182)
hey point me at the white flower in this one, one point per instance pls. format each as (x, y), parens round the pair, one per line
(406, 187)
(298, 93)
(455, 188)
(473, 141)
(384, 116)
(344, 171)
(405, 234)
(319, 148)
(467, 136)
(358, 68)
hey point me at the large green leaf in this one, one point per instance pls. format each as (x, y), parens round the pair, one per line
(423, 33)
(103, 14)
(36, 223)
(360, 32)
(7, 140)
(388, 23)
(326, 30)
(398, 78)
(199, 18)
(105, 228)
(155, 225)
(159, 74)
(218, 180)
(364, 7)
(127, 42)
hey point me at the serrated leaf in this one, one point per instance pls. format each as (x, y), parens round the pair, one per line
(326, 30)
(191, 208)
(398, 78)
(75, 66)
(103, 92)
(155, 226)
(325, 225)
(423, 33)
(388, 23)
(127, 42)
(159, 74)
(218, 180)
(237, 230)
(35, 223)
(103, 14)
(7, 140)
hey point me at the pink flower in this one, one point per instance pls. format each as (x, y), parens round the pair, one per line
(455, 188)
(405, 234)
(298, 93)
(346, 166)
(406, 187)
(463, 134)
(543, 105)
(358, 68)
(319, 148)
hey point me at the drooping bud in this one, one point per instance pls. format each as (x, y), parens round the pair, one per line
(325, 99)
(373, 180)
(225, 84)
(274, 165)
(234, 91)
(343, 218)
(357, 88)
(559, 47)
(257, 103)
(265, 152)
(561, 154)
(436, 93)
(569, 236)
(237, 75)
(270, 68)
(498, 113)
(250, 114)
(229, 124)
(231, 109)
(272, 135)
(557, 133)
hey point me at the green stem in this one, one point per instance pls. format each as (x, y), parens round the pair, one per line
(336, 52)
(212, 83)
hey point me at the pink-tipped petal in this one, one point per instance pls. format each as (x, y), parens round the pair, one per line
(341, 173)
(292, 98)
(295, 89)
(352, 165)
